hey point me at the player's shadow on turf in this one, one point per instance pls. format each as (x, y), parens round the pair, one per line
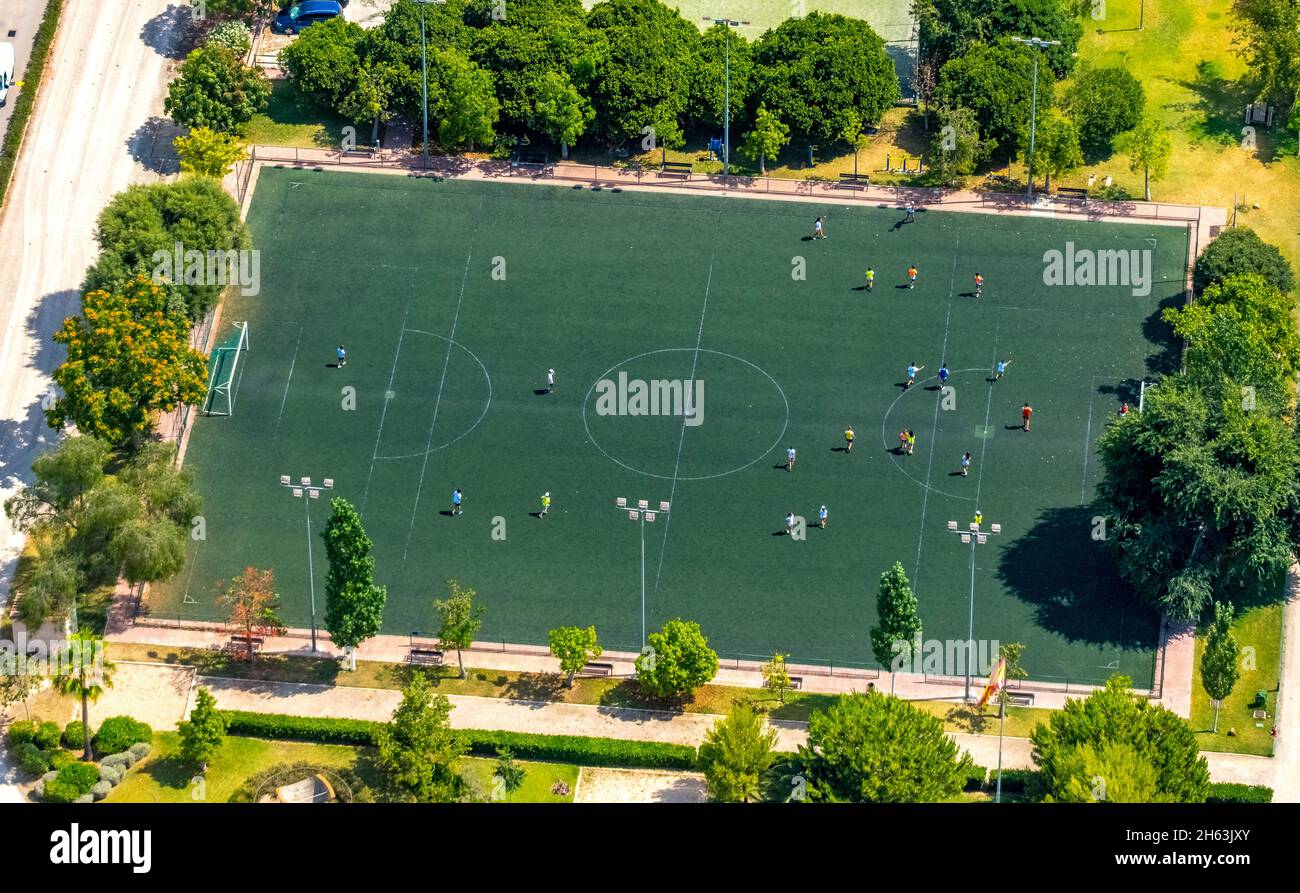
(860, 288)
(333, 366)
(934, 387)
(904, 286)
(540, 392)
(447, 514)
(839, 449)
(1014, 427)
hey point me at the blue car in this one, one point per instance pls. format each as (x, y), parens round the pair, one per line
(294, 18)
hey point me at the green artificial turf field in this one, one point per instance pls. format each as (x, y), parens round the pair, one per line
(454, 298)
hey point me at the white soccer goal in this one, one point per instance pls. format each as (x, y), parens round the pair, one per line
(223, 366)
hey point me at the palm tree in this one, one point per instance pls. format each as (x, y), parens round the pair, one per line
(84, 673)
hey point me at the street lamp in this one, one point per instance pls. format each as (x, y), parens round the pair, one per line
(643, 513)
(726, 121)
(1038, 44)
(974, 536)
(424, 74)
(305, 488)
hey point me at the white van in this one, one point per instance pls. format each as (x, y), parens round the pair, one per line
(6, 70)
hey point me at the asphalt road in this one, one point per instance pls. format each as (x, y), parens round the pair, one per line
(92, 135)
(19, 20)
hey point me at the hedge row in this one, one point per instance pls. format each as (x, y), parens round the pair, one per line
(26, 101)
(1227, 792)
(560, 748)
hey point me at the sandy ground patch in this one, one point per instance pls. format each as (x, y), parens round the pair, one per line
(639, 786)
(154, 693)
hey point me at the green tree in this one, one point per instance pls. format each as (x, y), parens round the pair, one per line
(1149, 151)
(460, 620)
(469, 113)
(510, 773)
(956, 147)
(1113, 772)
(1269, 33)
(573, 646)
(996, 84)
(325, 59)
(1056, 148)
(950, 28)
(736, 756)
(216, 89)
(638, 71)
(678, 660)
(234, 36)
(16, 684)
(766, 138)
(776, 678)
(1011, 652)
(207, 153)
(824, 72)
(129, 358)
(83, 672)
(354, 605)
(1240, 250)
(707, 106)
(418, 749)
(204, 733)
(875, 748)
(560, 112)
(1104, 102)
(1116, 716)
(893, 641)
(1219, 662)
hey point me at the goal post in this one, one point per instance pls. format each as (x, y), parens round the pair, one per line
(223, 366)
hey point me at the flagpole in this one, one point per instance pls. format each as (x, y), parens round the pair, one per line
(1002, 719)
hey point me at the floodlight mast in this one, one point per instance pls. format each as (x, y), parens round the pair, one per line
(1038, 44)
(643, 513)
(304, 487)
(726, 121)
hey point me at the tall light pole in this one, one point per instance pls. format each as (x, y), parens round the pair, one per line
(973, 536)
(306, 491)
(424, 75)
(1038, 44)
(643, 513)
(726, 122)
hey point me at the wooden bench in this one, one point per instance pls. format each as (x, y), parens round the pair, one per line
(676, 168)
(425, 656)
(530, 159)
(1021, 698)
(796, 683)
(853, 181)
(238, 643)
(1073, 192)
(596, 669)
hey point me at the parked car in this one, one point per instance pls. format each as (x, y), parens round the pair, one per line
(6, 70)
(294, 18)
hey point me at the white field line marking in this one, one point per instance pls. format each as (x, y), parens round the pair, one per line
(383, 414)
(446, 364)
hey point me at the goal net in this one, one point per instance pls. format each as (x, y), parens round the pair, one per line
(223, 367)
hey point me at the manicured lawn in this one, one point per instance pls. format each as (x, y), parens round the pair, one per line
(1258, 628)
(290, 120)
(717, 699)
(162, 778)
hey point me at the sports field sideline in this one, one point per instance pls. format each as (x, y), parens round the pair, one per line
(453, 299)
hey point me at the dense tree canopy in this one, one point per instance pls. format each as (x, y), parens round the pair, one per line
(995, 83)
(827, 74)
(1076, 739)
(949, 28)
(216, 89)
(1241, 250)
(1104, 102)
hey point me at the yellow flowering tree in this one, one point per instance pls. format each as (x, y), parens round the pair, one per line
(129, 358)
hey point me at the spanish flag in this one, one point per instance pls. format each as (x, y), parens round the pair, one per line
(996, 680)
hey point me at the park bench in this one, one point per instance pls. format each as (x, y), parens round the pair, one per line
(676, 168)
(1073, 192)
(853, 181)
(1021, 698)
(238, 643)
(796, 683)
(423, 652)
(530, 159)
(596, 669)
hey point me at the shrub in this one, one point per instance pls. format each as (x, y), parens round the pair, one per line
(140, 750)
(81, 776)
(57, 791)
(22, 732)
(48, 736)
(111, 774)
(31, 759)
(26, 99)
(118, 733)
(85, 798)
(73, 735)
(975, 777)
(234, 36)
(60, 758)
(1017, 781)
(1227, 792)
(101, 790)
(559, 748)
(117, 761)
